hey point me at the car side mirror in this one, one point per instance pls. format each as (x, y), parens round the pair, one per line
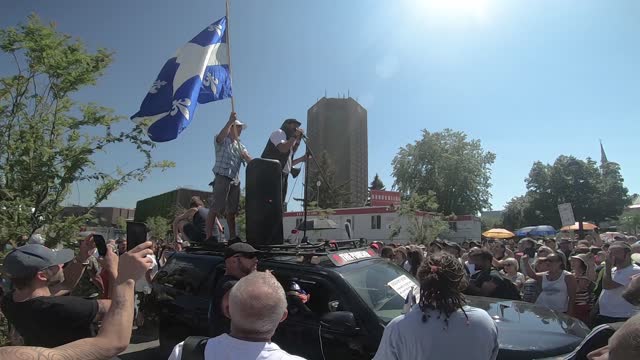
(340, 321)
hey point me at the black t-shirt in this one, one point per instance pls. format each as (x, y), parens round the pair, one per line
(50, 321)
(218, 323)
(504, 287)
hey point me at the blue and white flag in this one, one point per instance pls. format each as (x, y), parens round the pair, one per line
(198, 73)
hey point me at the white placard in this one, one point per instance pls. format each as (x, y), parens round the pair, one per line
(402, 285)
(566, 214)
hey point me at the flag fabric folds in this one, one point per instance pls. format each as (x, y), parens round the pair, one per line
(198, 73)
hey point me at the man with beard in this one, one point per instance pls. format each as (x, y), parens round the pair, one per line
(240, 261)
(618, 271)
(487, 281)
(281, 146)
(36, 309)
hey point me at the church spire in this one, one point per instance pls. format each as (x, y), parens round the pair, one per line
(603, 155)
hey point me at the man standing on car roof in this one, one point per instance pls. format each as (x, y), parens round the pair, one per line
(240, 260)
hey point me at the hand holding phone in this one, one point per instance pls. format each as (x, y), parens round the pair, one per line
(101, 244)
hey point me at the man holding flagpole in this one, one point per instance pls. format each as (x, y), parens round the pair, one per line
(230, 155)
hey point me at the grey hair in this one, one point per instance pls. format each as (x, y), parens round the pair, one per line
(512, 261)
(257, 304)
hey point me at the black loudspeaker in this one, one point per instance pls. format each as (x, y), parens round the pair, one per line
(264, 202)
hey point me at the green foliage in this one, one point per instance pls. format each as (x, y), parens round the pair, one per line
(630, 223)
(455, 169)
(48, 140)
(241, 219)
(121, 223)
(332, 195)
(514, 213)
(158, 227)
(597, 194)
(376, 184)
(423, 229)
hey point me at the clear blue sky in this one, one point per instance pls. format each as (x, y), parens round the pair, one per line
(530, 79)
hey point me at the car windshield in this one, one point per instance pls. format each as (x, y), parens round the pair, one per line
(372, 283)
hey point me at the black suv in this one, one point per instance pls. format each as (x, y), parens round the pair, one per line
(353, 295)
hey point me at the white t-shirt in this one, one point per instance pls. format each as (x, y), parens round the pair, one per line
(612, 303)
(407, 337)
(225, 347)
(279, 137)
(141, 284)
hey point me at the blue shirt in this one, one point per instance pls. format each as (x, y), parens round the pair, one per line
(229, 158)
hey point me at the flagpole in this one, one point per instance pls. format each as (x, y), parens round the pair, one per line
(233, 104)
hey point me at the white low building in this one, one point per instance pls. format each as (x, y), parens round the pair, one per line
(377, 223)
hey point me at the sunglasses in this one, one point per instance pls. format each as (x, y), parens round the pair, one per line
(246, 256)
(508, 265)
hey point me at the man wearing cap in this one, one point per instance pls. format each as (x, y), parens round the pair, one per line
(281, 146)
(230, 155)
(41, 317)
(618, 271)
(240, 260)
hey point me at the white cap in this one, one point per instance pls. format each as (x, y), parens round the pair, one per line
(36, 239)
(240, 123)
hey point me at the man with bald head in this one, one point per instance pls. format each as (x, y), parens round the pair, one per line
(623, 345)
(257, 304)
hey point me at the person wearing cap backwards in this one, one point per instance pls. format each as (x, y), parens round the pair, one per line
(281, 146)
(618, 271)
(36, 309)
(240, 260)
(230, 155)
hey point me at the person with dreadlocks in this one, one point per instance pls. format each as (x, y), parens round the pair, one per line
(281, 146)
(436, 327)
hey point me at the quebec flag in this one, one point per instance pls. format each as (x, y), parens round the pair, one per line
(198, 73)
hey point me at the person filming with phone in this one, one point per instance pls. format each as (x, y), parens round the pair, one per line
(36, 308)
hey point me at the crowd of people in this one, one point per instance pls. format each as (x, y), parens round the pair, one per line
(595, 281)
(58, 298)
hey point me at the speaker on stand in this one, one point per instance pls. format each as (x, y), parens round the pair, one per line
(263, 203)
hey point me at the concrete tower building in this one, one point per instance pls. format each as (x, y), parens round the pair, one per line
(339, 127)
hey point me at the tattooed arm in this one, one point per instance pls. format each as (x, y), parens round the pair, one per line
(115, 333)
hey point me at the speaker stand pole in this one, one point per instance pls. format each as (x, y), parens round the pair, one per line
(306, 191)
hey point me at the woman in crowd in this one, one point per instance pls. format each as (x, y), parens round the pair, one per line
(532, 288)
(510, 271)
(584, 291)
(558, 286)
(400, 257)
(415, 259)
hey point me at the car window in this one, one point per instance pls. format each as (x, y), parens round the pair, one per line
(186, 273)
(372, 285)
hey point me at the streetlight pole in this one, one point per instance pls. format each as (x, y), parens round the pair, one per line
(318, 193)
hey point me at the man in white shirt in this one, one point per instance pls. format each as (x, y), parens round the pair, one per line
(618, 271)
(257, 304)
(281, 146)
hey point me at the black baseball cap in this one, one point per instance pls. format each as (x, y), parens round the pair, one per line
(239, 248)
(27, 260)
(288, 121)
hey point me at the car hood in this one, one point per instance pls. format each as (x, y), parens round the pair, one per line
(536, 330)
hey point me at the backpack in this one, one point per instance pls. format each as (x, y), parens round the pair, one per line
(193, 348)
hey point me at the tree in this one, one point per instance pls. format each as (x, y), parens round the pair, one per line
(48, 140)
(596, 194)
(630, 223)
(332, 195)
(376, 184)
(513, 216)
(158, 227)
(423, 228)
(455, 169)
